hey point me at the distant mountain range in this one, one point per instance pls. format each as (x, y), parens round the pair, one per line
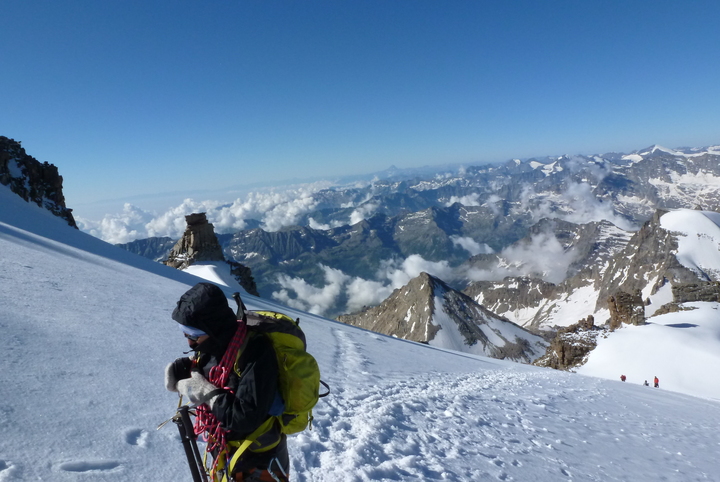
(482, 221)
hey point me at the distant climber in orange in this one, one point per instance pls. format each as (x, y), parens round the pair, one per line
(657, 382)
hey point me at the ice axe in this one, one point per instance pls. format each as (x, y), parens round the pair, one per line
(189, 441)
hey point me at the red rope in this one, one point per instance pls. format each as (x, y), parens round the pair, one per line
(206, 424)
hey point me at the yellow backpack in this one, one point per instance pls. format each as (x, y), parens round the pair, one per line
(298, 372)
(298, 378)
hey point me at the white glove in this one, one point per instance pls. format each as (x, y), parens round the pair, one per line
(198, 390)
(170, 381)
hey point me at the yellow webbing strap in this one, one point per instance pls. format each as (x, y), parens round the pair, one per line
(245, 444)
(241, 449)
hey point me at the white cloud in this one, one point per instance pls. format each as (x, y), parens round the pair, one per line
(362, 212)
(316, 225)
(275, 209)
(471, 246)
(585, 208)
(492, 202)
(172, 222)
(598, 170)
(362, 292)
(308, 297)
(543, 257)
(119, 228)
(576, 204)
(399, 274)
(469, 200)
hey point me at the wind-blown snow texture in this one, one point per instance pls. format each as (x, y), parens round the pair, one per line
(87, 332)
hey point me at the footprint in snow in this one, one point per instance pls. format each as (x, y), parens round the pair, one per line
(136, 436)
(90, 466)
(8, 471)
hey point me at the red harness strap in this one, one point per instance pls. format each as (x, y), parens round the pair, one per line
(206, 424)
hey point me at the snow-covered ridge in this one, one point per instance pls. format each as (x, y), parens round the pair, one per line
(688, 153)
(698, 236)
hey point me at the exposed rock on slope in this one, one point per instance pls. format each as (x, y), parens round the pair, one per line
(645, 264)
(708, 291)
(199, 243)
(614, 279)
(626, 308)
(571, 345)
(516, 298)
(427, 310)
(33, 181)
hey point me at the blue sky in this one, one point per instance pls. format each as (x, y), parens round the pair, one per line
(132, 98)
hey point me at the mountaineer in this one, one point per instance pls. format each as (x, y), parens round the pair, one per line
(232, 379)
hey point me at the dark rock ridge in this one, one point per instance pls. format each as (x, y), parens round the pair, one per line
(708, 291)
(155, 248)
(411, 313)
(571, 345)
(199, 243)
(32, 180)
(647, 257)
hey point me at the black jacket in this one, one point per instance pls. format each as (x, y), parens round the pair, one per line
(246, 403)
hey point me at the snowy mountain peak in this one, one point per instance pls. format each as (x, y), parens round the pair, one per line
(427, 310)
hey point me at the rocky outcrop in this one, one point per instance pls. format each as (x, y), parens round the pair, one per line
(32, 180)
(571, 345)
(626, 308)
(511, 294)
(701, 291)
(199, 243)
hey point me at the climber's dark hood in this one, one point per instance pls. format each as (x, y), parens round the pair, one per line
(205, 307)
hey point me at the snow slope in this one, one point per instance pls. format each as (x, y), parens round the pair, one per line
(680, 348)
(87, 332)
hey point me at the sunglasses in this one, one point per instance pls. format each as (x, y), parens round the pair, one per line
(192, 337)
